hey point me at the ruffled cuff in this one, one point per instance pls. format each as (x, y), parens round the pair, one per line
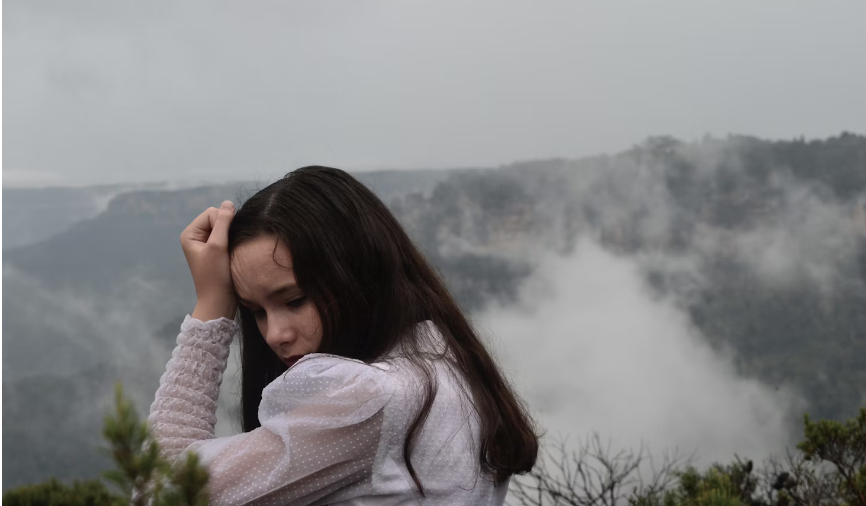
(219, 331)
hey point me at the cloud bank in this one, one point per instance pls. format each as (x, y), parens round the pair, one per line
(593, 349)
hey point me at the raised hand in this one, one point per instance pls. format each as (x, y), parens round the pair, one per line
(205, 246)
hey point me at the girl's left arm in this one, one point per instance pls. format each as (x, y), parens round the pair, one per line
(322, 424)
(185, 405)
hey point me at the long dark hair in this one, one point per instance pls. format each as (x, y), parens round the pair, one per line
(371, 287)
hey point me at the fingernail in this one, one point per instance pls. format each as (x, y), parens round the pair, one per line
(226, 205)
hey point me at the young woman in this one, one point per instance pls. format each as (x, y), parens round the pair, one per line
(362, 381)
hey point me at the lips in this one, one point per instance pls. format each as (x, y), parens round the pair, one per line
(290, 361)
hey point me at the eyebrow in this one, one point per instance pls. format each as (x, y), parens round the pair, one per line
(279, 291)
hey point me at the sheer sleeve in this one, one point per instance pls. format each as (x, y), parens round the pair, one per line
(320, 434)
(184, 408)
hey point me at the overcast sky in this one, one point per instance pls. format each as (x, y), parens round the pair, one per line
(105, 91)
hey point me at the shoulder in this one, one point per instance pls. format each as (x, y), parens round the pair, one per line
(346, 386)
(333, 369)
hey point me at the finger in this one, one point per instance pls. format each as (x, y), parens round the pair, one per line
(201, 227)
(220, 234)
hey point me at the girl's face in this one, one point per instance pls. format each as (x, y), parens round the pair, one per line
(286, 317)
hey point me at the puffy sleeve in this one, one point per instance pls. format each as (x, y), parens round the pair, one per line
(321, 424)
(184, 409)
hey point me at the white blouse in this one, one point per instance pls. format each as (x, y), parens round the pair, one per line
(332, 429)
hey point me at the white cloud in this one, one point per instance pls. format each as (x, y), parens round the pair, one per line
(811, 237)
(594, 350)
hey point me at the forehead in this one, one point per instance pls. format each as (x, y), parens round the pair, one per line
(254, 271)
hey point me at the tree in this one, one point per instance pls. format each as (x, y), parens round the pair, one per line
(593, 476)
(828, 468)
(843, 445)
(142, 476)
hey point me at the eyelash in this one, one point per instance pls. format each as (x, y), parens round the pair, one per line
(295, 303)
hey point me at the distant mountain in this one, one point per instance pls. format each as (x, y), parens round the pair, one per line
(31, 215)
(762, 244)
(103, 300)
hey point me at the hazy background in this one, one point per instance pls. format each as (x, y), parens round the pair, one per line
(638, 271)
(103, 92)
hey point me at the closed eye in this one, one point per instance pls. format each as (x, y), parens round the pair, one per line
(294, 303)
(297, 302)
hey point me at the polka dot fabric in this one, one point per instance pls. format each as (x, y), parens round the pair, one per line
(332, 429)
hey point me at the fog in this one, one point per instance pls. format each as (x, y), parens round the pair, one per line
(104, 99)
(98, 92)
(82, 331)
(814, 238)
(595, 351)
(603, 333)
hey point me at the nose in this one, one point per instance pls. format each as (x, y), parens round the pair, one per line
(280, 335)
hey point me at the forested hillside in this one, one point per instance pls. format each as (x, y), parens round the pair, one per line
(762, 243)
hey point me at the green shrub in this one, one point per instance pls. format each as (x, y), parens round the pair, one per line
(828, 469)
(141, 475)
(843, 445)
(54, 493)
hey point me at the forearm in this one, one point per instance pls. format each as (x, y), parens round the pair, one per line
(206, 310)
(184, 408)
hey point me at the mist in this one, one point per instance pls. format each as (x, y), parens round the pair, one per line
(102, 93)
(696, 297)
(594, 350)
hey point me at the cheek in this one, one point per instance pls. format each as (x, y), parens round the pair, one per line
(313, 325)
(263, 327)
